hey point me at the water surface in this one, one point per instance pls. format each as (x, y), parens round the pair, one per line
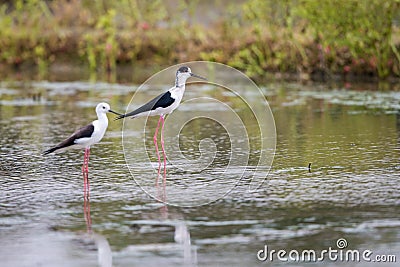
(350, 136)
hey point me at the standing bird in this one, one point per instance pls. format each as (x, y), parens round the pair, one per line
(163, 105)
(84, 138)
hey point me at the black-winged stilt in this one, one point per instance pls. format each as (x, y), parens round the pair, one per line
(84, 138)
(163, 105)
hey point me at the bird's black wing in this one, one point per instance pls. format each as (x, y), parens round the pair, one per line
(83, 132)
(161, 101)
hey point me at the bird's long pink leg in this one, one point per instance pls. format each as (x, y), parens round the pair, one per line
(84, 174)
(163, 149)
(156, 145)
(87, 171)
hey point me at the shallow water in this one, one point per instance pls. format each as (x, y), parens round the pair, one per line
(351, 137)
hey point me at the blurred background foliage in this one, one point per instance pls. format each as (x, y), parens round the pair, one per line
(302, 37)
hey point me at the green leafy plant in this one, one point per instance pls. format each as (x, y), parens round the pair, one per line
(291, 36)
(363, 27)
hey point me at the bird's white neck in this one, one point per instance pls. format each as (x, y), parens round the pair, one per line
(180, 81)
(177, 92)
(102, 118)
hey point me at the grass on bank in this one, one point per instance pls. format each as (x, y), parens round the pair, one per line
(309, 37)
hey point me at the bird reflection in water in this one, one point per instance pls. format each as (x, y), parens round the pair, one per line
(181, 233)
(182, 237)
(161, 189)
(104, 253)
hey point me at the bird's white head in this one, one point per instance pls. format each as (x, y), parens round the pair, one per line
(103, 108)
(182, 74)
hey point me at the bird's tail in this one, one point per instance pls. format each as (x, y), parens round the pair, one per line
(50, 150)
(125, 116)
(120, 117)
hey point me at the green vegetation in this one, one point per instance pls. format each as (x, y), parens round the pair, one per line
(345, 37)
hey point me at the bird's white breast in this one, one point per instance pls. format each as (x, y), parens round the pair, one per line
(100, 127)
(177, 94)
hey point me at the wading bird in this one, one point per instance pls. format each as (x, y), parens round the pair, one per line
(84, 138)
(163, 105)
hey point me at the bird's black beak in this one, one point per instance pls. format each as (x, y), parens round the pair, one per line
(116, 113)
(197, 76)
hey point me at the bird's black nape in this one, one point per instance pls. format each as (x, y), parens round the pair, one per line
(183, 69)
